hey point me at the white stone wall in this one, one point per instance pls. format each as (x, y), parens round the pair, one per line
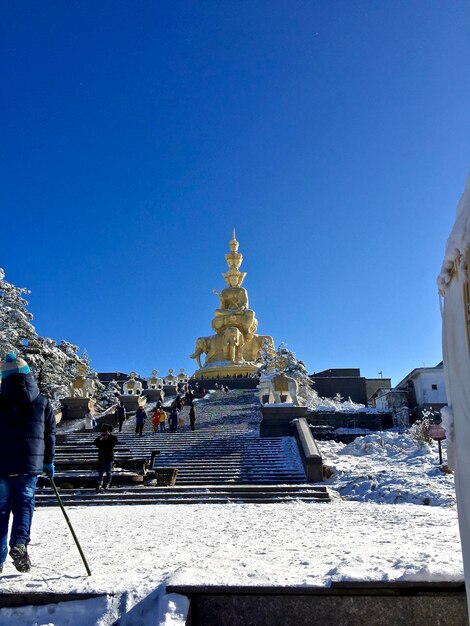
(391, 400)
(425, 394)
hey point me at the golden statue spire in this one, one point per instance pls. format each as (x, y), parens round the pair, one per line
(234, 278)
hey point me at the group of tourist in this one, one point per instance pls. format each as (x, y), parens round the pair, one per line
(198, 389)
(176, 418)
(159, 417)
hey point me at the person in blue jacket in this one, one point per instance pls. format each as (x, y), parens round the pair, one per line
(140, 417)
(27, 444)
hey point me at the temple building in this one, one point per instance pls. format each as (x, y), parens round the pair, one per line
(235, 348)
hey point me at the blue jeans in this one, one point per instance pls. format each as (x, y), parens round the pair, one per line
(105, 468)
(16, 497)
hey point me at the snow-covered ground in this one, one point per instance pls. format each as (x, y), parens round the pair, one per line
(376, 528)
(388, 467)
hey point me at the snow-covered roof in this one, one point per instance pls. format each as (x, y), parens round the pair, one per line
(458, 241)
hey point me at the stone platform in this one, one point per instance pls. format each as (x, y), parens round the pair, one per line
(342, 604)
(132, 402)
(153, 395)
(74, 408)
(277, 419)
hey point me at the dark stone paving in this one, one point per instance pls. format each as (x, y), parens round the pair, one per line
(240, 406)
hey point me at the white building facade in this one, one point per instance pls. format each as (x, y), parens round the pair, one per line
(425, 387)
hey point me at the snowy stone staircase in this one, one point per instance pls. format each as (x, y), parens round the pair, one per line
(229, 454)
(221, 461)
(215, 465)
(225, 454)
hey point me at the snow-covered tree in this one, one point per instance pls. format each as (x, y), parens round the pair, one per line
(15, 319)
(110, 395)
(54, 365)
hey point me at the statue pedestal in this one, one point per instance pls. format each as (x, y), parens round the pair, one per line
(222, 369)
(153, 395)
(132, 403)
(277, 419)
(170, 390)
(75, 408)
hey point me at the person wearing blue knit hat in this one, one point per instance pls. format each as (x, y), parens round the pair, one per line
(27, 445)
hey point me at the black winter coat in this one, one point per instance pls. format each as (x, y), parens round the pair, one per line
(105, 445)
(121, 413)
(27, 427)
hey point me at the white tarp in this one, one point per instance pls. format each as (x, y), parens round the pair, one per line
(456, 353)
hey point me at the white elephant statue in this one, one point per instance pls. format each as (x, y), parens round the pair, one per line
(278, 389)
(265, 389)
(154, 382)
(132, 387)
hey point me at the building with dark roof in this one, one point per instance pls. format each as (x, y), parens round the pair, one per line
(348, 383)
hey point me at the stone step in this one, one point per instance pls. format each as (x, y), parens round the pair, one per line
(208, 487)
(181, 495)
(231, 478)
(240, 481)
(237, 468)
(118, 501)
(165, 461)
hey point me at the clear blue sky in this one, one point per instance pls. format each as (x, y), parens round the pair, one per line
(334, 135)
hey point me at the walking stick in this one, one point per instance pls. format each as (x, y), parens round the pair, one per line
(53, 485)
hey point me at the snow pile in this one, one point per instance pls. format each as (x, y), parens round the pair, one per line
(328, 405)
(386, 443)
(388, 467)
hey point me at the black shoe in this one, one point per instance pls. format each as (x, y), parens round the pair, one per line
(20, 556)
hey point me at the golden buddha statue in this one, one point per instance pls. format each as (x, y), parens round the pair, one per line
(233, 310)
(235, 348)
